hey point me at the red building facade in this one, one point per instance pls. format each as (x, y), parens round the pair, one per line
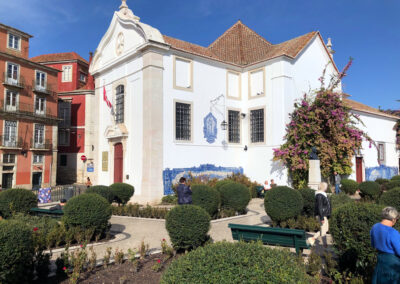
(75, 89)
(28, 115)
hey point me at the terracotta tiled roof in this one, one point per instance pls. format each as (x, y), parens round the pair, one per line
(242, 46)
(357, 106)
(54, 57)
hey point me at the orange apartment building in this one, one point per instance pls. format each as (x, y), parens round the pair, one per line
(28, 115)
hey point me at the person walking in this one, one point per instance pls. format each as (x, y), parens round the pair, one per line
(386, 240)
(337, 183)
(184, 192)
(323, 212)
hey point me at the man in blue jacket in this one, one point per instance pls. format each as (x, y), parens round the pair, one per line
(184, 192)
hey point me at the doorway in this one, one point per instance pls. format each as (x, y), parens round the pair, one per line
(36, 180)
(359, 169)
(7, 180)
(118, 162)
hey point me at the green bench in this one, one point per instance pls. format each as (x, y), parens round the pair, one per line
(47, 212)
(270, 236)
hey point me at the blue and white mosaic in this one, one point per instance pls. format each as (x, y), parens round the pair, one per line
(382, 171)
(210, 128)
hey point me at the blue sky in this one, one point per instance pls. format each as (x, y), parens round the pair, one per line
(368, 31)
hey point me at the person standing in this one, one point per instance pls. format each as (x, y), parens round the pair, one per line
(386, 240)
(337, 183)
(272, 184)
(323, 212)
(88, 182)
(184, 192)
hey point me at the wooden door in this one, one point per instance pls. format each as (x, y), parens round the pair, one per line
(118, 162)
(359, 169)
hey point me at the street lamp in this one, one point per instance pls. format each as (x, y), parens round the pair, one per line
(224, 125)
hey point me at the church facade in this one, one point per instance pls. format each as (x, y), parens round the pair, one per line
(166, 107)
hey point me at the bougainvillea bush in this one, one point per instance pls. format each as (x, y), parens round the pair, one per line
(324, 121)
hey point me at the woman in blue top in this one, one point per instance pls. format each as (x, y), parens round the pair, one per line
(387, 242)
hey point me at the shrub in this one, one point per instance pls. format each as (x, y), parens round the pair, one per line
(122, 192)
(187, 226)
(369, 190)
(392, 184)
(282, 203)
(169, 199)
(16, 200)
(308, 195)
(253, 191)
(397, 177)
(350, 225)
(340, 199)
(16, 252)
(87, 211)
(391, 198)
(207, 198)
(102, 190)
(221, 183)
(234, 196)
(240, 262)
(135, 210)
(349, 186)
(381, 181)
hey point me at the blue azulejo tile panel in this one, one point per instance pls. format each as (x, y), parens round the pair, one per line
(172, 176)
(382, 171)
(210, 128)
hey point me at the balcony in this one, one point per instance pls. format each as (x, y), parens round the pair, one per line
(46, 90)
(11, 142)
(43, 145)
(11, 82)
(24, 110)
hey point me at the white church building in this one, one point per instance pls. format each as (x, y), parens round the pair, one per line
(180, 107)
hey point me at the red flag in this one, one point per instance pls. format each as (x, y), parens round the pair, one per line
(105, 98)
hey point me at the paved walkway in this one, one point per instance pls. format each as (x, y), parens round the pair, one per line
(131, 231)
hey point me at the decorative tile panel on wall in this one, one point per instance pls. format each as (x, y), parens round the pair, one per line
(172, 176)
(210, 128)
(382, 171)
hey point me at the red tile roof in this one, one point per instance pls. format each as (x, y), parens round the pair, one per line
(357, 106)
(55, 57)
(242, 46)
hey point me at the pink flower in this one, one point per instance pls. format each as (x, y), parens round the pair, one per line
(158, 260)
(64, 268)
(163, 240)
(35, 229)
(81, 246)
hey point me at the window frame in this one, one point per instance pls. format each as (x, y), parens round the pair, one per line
(35, 161)
(264, 129)
(191, 122)
(382, 152)
(40, 79)
(6, 106)
(82, 75)
(62, 106)
(40, 111)
(250, 97)
(240, 126)
(190, 61)
(69, 79)
(119, 109)
(43, 136)
(67, 135)
(9, 34)
(10, 132)
(18, 71)
(239, 98)
(8, 160)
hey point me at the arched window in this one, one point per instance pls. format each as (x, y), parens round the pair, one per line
(119, 105)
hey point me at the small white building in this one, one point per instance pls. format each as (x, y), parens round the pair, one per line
(172, 101)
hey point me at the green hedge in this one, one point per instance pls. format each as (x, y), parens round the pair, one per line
(349, 186)
(240, 262)
(221, 183)
(169, 199)
(234, 196)
(369, 190)
(207, 198)
(382, 181)
(16, 252)
(16, 200)
(308, 195)
(392, 184)
(122, 192)
(282, 203)
(187, 226)
(350, 227)
(397, 177)
(391, 198)
(340, 199)
(87, 211)
(102, 190)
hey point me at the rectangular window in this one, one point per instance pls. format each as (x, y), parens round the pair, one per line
(11, 101)
(63, 137)
(66, 73)
(40, 79)
(64, 113)
(39, 135)
(37, 159)
(14, 41)
(12, 73)
(63, 160)
(183, 77)
(82, 77)
(119, 105)
(183, 121)
(8, 158)
(40, 104)
(256, 83)
(10, 133)
(257, 125)
(381, 152)
(233, 85)
(233, 126)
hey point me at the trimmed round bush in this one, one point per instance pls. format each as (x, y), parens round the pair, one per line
(392, 184)
(87, 211)
(122, 192)
(16, 252)
(239, 262)
(102, 190)
(308, 195)
(369, 190)
(391, 198)
(16, 200)
(187, 226)
(350, 225)
(340, 199)
(349, 186)
(381, 181)
(207, 198)
(282, 203)
(221, 183)
(235, 196)
(397, 177)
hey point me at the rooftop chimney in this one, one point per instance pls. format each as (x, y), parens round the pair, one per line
(90, 82)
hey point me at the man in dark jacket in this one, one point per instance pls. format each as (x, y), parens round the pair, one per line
(184, 192)
(323, 211)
